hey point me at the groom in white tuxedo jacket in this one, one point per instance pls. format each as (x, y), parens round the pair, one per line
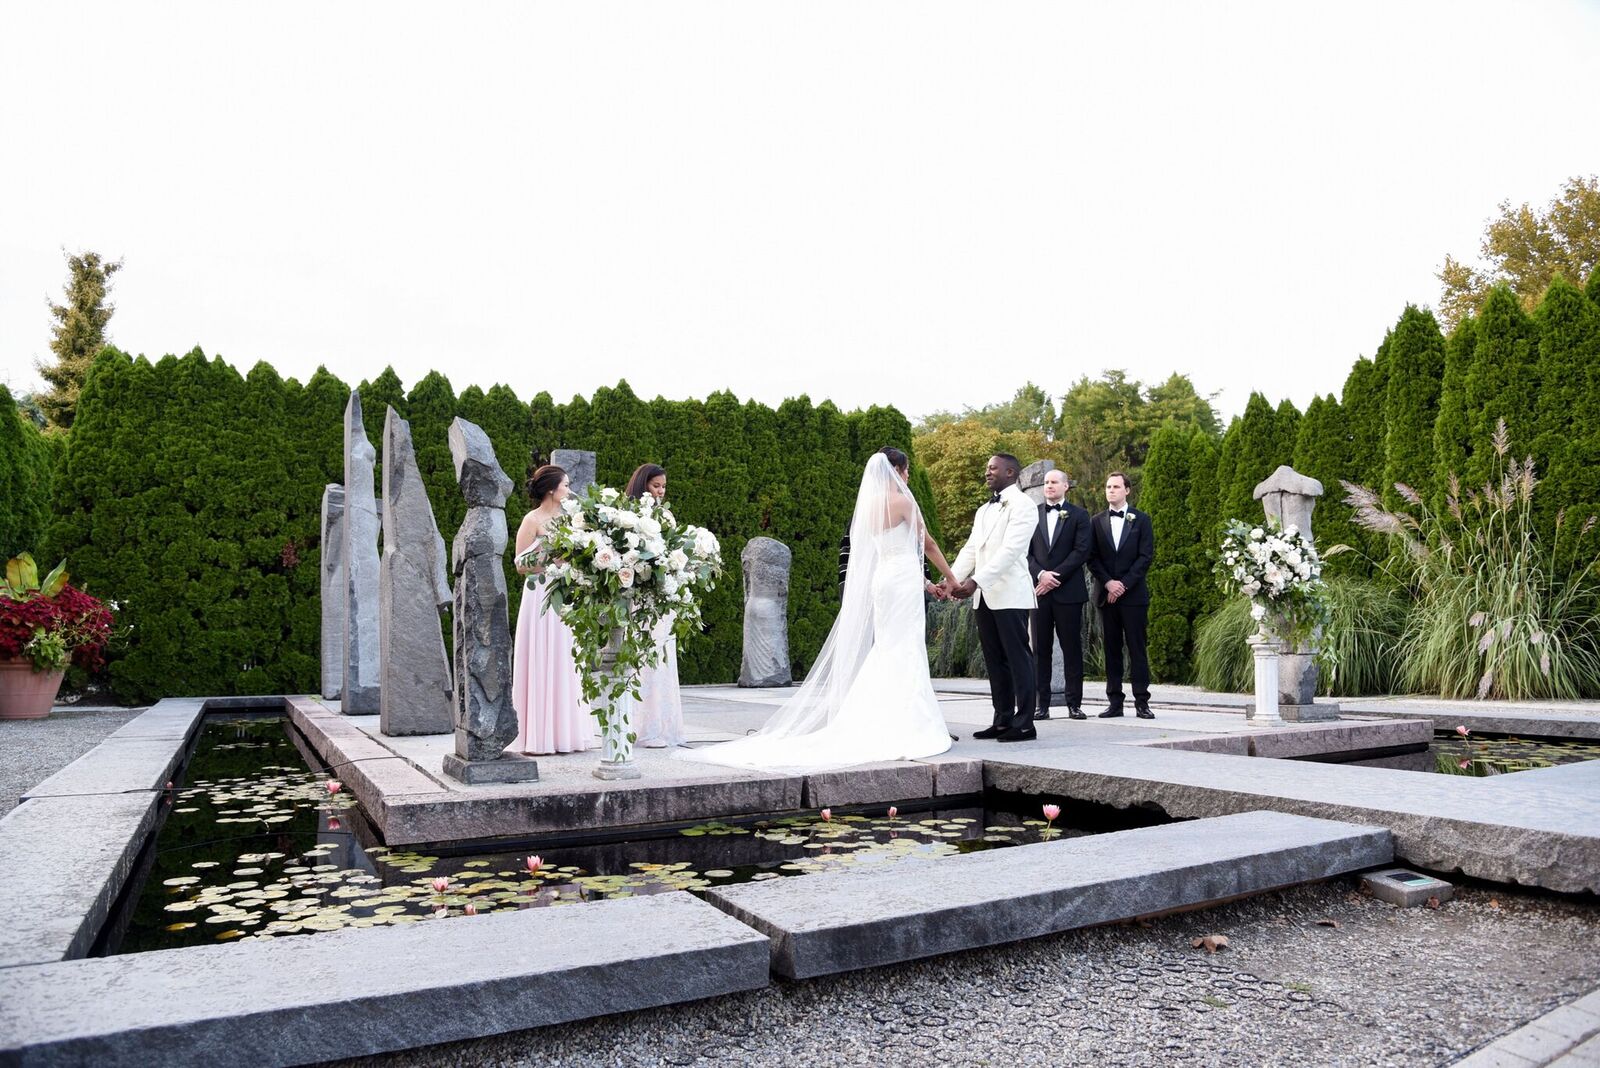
(993, 567)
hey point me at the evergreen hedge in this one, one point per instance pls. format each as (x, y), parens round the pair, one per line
(27, 473)
(193, 493)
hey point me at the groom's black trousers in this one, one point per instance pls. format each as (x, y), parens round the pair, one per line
(1003, 633)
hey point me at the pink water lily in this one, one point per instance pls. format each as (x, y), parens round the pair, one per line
(1051, 812)
(441, 913)
(471, 909)
(893, 812)
(827, 815)
(534, 863)
(333, 786)
(441, 884)
(1462, 730)
(1464, 765)
(334, 824)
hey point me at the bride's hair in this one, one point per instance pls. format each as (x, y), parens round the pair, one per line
(544, 482)
(639, 484)
(897, 459)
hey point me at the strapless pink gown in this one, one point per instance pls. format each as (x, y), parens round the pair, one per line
(551, 717)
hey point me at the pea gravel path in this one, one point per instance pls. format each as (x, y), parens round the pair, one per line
(1386, 986)
(32, 750)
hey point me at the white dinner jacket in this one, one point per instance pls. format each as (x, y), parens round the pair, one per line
(996, 553)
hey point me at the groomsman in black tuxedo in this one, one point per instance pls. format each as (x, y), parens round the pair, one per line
(1055, 559)
(1124, 545)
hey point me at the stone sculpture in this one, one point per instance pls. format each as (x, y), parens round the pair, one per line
(485, 720)
(413, 587)
(766, 614)
(332, 590)
(359, 680)
(1031, 479)
(579, 466)
(1290, 497)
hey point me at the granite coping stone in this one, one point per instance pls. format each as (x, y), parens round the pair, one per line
(1541, 721)
(356, 992)
(866, 784)
(133, 764)
(835, 922)
(63, 861)
(1441, 822)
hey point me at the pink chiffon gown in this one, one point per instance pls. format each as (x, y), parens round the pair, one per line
(545, 690)
(658, 716)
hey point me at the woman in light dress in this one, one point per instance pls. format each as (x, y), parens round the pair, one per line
(868, 696)
(658, 716)
(545, 689)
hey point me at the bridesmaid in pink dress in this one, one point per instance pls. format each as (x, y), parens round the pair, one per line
(544, 681)
(658, 717)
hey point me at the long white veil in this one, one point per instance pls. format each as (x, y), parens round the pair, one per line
(883, 502)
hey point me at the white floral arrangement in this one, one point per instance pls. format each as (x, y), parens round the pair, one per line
(1280, 572)
(614, 567)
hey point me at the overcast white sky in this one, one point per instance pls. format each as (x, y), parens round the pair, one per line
(917, 203)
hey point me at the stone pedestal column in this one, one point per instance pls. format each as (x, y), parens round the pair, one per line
(616, 752)
(1290, 498)
(1266, 652)
(359, 681)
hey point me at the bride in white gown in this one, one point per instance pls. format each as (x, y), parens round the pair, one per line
(868, 696)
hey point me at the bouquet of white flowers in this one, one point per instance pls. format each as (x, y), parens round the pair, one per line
(614, 567)
(1281, 573)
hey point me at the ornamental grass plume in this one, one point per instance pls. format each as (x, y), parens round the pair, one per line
(1499, 607)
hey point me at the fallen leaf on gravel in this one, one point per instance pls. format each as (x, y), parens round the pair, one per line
(1211, 943)
(1329, 923)
(1433, 902)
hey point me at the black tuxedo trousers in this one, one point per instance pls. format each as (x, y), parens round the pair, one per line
(1003, 634)
(1126, 623)
(1060, 621)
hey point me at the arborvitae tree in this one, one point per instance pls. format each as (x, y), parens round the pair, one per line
(79, 333)
(1286, 426)
(546, 429)
(1204, 460)
(1257, 450)
(723, 502)
(1227, 464)
(1502, 380)
(316, 427)
(1411, 405)
(430, 409)
(1569, 371)
(622, 434)
(1322, 452)
(27, 478)
(1452, 431)
(809, 523)
(1174, 594)
(1366, 391)
(769, 474)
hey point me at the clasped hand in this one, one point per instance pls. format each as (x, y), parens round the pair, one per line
(951, 591)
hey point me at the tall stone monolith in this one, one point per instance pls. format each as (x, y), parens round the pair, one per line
(413, 588)
(359, 680)
(332, 603)
(579, 466)
(485, 719)
(766, 613)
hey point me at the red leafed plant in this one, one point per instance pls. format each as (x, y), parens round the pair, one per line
(50, 622)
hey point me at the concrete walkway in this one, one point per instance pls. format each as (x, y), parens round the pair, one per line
(1568, 1037)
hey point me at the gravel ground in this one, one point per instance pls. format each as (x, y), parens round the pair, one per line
(32, 750)
(1385, 986)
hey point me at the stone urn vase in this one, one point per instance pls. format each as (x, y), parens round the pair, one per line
(24, 692)
(616, 730)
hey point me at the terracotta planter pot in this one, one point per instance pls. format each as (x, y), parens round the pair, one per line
(26, 693)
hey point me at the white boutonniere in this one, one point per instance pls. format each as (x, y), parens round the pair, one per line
(1131, 516)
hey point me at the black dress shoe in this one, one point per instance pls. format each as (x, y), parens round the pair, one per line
(1111, 713)
(1074, 712)
(1043, 713)
(1019, 734)
(989, 732)
(1142, 710)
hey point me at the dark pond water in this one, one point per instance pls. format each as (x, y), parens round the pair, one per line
(255, 846)
(1450, 754)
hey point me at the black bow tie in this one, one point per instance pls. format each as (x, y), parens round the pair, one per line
(1055, 507)
(1116, 513)
(994, 498)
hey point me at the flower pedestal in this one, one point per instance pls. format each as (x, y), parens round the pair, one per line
(1266, 650)
(24, 692)
(616, 724)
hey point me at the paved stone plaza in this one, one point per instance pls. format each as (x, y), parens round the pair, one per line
(976, 958)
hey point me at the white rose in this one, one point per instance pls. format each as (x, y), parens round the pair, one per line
(1257, 534)
(1258, 612)
(705, 543)
(641, 571)
(630, 558)
(655, 546)
(606, 559)
(669, 585)
(677, 559)
(625, 576)
(631, 540)
(666, 514)
(608, 494)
